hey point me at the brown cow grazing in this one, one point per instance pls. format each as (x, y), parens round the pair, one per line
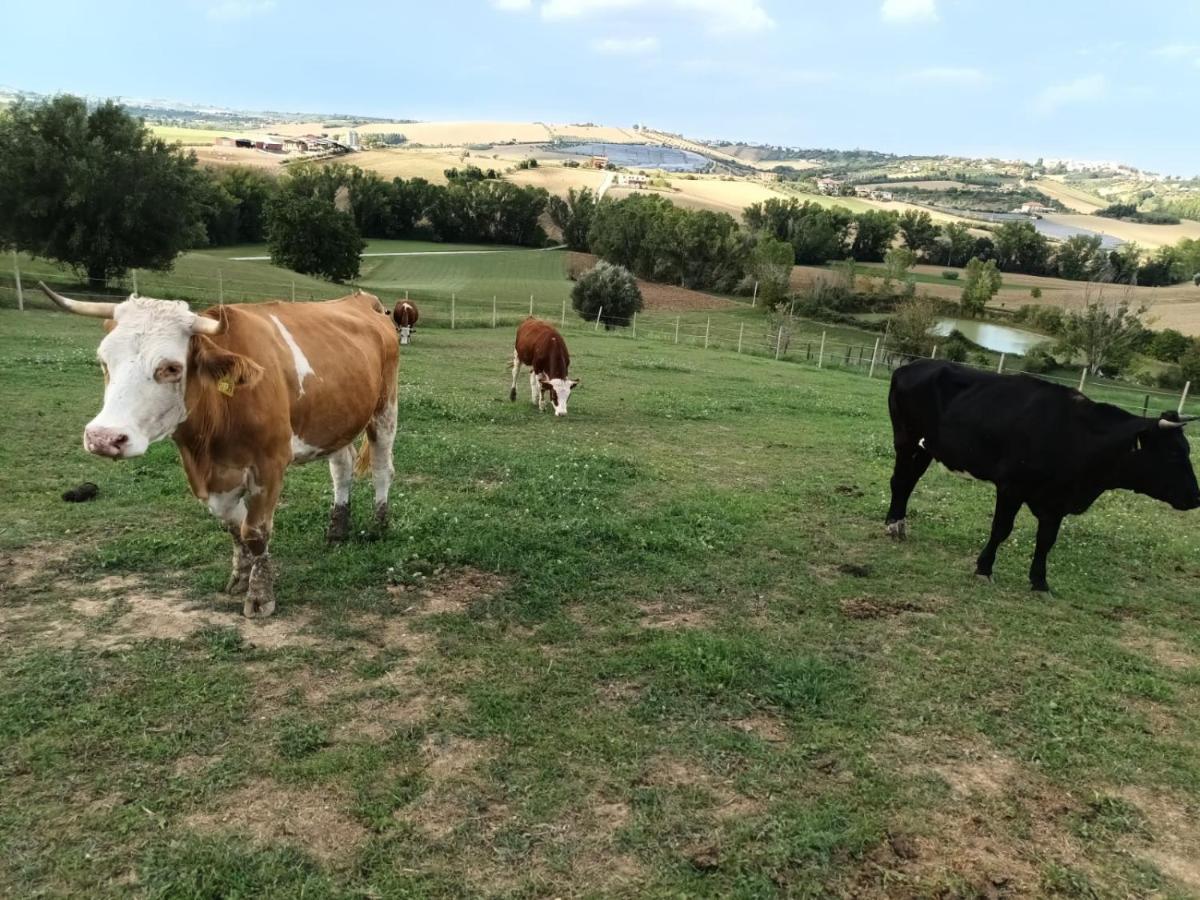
(405, 316)
(245, 391)
(542, 348)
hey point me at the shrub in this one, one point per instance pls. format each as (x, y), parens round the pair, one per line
(1035, 293)
(608, 291)
(1169, 379)
(1038, 361)
(950, 275)
(955, 348)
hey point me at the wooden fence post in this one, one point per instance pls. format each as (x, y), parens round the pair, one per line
(293, 290)
(754, 299)
(493, 310)
(531, 304)
(874, 358)
(1146, 406)
(453, 299)
(1183, 397)
(741, 332)
(933, 355)
(17, 278)
(563, 321)
(707, 328)
(677, 329)
(821, 352)
(600, 310)
(135, 287)
(1082, 378)
(635, 324)
(1000, 368)
(778, 340)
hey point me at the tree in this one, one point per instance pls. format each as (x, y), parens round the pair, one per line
(96, 190)
(918, 230)
(896, 265)
(955, 245)
(1168, 345)
(911, 330)
(308, 235)
(1189, 363)
(607, 291)
(1105, 334)
(771, 264)
(982, 283)
(1079, 258)
(1022, 248)
(573, 216)
(874, 232)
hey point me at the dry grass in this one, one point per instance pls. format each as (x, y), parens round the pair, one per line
(1147, 236)
(557, 179)
(1071, 197)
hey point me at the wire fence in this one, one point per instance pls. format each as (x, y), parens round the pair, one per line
(785, 339)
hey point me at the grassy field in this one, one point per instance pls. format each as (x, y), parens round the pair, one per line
(659, 648)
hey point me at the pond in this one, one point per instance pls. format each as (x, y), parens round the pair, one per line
(997, 338)
(641, 156)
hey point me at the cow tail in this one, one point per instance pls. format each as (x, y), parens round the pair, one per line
(362, 465)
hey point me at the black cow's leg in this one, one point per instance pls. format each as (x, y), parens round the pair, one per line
(1007, 507)
(1047, 534)
(911, 462)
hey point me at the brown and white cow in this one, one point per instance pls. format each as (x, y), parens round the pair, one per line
(542, 348)
(245, 391)
(405, 316)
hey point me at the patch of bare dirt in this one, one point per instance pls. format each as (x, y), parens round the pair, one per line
(193, 763)
(311, 818)
(727, 802)
(454, 592)
(1176, 829)
(1164, 651)
(764, 726)
(22, 566)
(673, 615)
(979, 773)
(449, 755)
(375, 718)
(618, 694)
(875, 607)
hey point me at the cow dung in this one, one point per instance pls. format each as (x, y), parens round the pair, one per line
(82, 493)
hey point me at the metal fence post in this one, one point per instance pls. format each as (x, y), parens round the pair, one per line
(452, 302)
(1183, 396)
(874, 357)
(531, 304)
(933, 355)
(741, 332)
(17, 278)
(707, 328)
(1000, 368)
(677, 329)
(600, 310)
(563, 321)
(493, 310)
(821, 352)
(1082, 378)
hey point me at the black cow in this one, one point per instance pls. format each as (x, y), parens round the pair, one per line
(1041, 444)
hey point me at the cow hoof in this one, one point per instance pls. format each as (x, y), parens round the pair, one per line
(238, 584)
(381, 517)
(1040, 587)
(898, 529)
(985, 579)
(339, 525)
(258, 609)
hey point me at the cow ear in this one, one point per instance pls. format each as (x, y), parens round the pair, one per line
(574, 383)
(210, 361)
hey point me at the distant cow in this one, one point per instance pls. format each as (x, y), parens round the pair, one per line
(542, 348)
(405, 316)
(1043, 445)
(244, 391)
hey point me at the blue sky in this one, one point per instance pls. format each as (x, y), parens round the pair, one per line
(1051, 78)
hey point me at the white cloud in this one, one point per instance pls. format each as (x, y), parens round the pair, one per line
(1087, 89)
(232, 10)
(717, 16)
(513, 5)
(964, 76)
(1178, 51)
(626, 46)
(909, 10)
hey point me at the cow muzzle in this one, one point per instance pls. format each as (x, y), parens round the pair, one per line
(109, 442)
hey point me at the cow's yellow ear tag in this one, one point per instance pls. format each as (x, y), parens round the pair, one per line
(225, 386)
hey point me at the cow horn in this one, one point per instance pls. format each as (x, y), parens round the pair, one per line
(1183, 420)
(205, 325)
(79, 307)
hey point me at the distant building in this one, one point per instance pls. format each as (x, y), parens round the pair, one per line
(598, 162)
(625, 179)
(873, 194)
(352, 139)
(1032, 207)
(829, 186)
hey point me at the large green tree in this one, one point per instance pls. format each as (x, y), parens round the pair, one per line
(1022, 248)
(1079, 258)
(982, 283)
(874, 232)
(573, 216)
(95, 190)
(918, 230)
(309, 235)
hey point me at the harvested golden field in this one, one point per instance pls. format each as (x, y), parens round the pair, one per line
(239, 156)
(1070, 196)
(709, 193)
(607, 133)
(557, 179)
(427, 164)
(188, 137)
(458, 134)
(1149, 236)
